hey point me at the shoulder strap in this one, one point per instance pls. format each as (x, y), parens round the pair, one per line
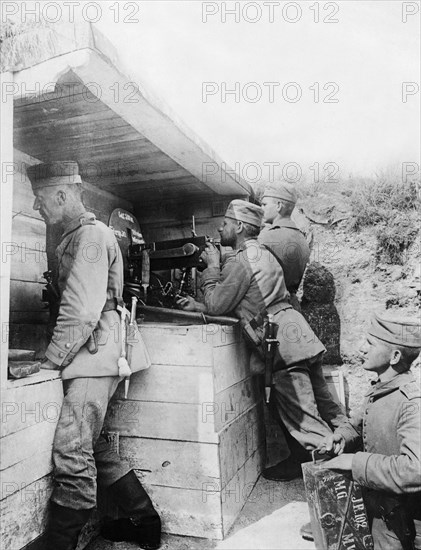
(411, 390)
(278, 259)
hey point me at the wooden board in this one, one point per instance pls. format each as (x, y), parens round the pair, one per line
(183, 345)
(171, 384)
(6, 194)
(239, 441)
(23, 197)
(231, 365)
(175, 421)
(26, 296)
(69, 122)
(24, 473)
(27, 330)
(20, 446)
(236, 493)
(180, 464)
(24, 514)
(195, 513)
(19, 405)
(233, 402)
(28, 265)
(335, 382)
(28, 232)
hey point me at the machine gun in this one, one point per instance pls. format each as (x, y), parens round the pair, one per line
(161, 271)
(157, 273)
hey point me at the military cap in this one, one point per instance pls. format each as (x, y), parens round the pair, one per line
(244, 211)
(281, 190)
(50, 174)
(397, 331)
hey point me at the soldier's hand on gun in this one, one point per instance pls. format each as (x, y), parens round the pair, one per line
(334, 444)
(190, 304)
(187, 303)
(211, 256)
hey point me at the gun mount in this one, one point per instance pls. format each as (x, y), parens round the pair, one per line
(157, 273)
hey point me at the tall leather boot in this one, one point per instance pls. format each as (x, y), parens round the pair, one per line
(143, 524)
(65, 526)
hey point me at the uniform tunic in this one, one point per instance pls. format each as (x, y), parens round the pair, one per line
(290, 246)
(90, 271)
(388, 432)
(86, 346)
(251, 282)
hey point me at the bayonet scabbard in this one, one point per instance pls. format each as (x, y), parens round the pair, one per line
(271, 344)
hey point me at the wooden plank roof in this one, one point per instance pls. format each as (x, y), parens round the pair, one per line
(137, 149)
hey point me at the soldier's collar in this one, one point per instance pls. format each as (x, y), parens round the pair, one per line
(284, 222)
(83, 219)
(394, 383)
(247, 244)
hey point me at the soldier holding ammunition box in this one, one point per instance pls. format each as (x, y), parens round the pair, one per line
(385, 438)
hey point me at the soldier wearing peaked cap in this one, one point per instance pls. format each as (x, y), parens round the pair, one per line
(84, 348)
(282, 235)
(250, 283)
(289, 246)
(382, 443)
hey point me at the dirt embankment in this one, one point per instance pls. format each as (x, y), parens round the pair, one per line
(367, 277)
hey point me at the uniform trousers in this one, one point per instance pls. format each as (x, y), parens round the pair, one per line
(82, 457)
(304, 403)
(387, 540)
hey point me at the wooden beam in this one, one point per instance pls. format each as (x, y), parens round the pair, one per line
(154, 121)
(6, 196)
(148, 116)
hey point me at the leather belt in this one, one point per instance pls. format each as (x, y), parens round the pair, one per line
(112, 303)
(273, 309)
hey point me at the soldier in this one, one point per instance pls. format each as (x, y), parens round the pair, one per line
(382, 444)
(251, 284)
(289, 246)
(84, 348)
(283, 237)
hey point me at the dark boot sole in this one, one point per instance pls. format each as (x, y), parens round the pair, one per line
(289, 477)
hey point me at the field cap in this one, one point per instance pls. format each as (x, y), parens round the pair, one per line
(395, 330)
(51, 174)
(244, 211)
(281, 190)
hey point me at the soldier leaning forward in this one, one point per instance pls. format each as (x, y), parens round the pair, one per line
(84, 348)
(251, 284)
(385, 437)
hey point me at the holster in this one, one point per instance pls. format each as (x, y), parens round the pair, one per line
(254, 334)
(93, 340)
(393, 511)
